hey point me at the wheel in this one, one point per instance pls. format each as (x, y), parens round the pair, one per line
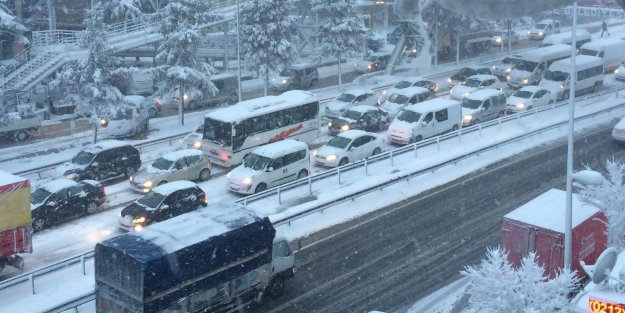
(276, 287)
(302, 174)
(416, 139)
(38, 224)
(551, 101)
(130, 171)
(205, 174)
(92, 207)
(152, 112)
(475, 121)
(343, 161)
(21, 135)
(376, 151)
(192, 105)
(162, 182)
(454, 128)
(530, 108)
(260, 188)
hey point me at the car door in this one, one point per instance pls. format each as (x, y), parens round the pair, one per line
(188, 201)
(59, 206)
(540, 98)
(77, 200)
(487, 109)
(168, 208)
(368, 146)
(194, 166)
(428, 129)
(181, 169)
(280, 172)
(356, 149)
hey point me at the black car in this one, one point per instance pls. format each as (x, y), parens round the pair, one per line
(465, 72)
(161, 203)
(61, 200)
(102, 161)
(363, 117)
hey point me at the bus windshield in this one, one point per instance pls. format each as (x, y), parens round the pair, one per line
(527, 66)
(218, 132)
(557, 76)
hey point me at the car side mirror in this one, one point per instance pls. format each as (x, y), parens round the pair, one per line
(424, 124)
(164, 207)
(95, 164)
(350, 149)
(270, 169)
(483, 109)
(52, 203)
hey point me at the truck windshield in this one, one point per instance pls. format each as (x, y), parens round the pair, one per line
(527, 66)
(218, 132)
(402, 84)
(83, 158)
(471, 104)
(339, 142)
(151, 199)
(409, 116)
(557, 76)
(39, 196)
(256, 162)
(122, 114)
(346, 97)
(397, 98)
(162, 164)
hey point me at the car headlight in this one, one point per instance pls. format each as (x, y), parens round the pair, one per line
(197, 144)
(330, 124)
(616, 71)
(315, 153)
(345, 127)
(414, 50)
(508, 77)
(467, 118)
(561, 86)
(131, 178)
(466, 94)
(540, 33)
(525, 80)
(71, 176)
(449, 80)
(384, 92)
(139, 220)
(284, 81)
(331, 157)
(498, 40)
(138, 228)
(494, 67)
(520, 106)
(529, 33)
(228, 175)
(508, 70)
(247, 180)
(369, 66)
(147, 184)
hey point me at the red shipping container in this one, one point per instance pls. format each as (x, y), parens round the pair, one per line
(16, 241)
(539, 226)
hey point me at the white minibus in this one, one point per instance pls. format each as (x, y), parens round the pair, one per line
(611, 50)
(529, 70)
(589, 71)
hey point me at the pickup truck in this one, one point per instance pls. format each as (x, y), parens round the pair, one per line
(17, 126)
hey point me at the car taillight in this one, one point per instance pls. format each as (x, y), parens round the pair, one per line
(102, 190)
(224, 155)
(204, 198)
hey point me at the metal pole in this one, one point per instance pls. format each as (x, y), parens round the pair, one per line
(502, 34)
(239, 50)
(568, 224)
(95, 133)
(436, 40)
(386, 17)
(509, 37)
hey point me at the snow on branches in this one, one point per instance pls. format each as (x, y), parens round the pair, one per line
(495, 286)
(266, 36)
(8, 22)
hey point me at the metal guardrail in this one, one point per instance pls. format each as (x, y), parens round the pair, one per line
(81, 300)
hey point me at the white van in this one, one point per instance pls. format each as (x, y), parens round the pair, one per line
(129, 119)
(544, 28)
(589, 76)
(529, 70)
(269, 166)
(403, 97)
(611, 50)
(582, 37)
(483, 105)
(426, 119)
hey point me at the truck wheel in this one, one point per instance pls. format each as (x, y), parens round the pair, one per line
(205, 174)
(276, 287)
(38, 224)
(21, 135)
(152, 112)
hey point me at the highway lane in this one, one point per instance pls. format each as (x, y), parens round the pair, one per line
(386, 261)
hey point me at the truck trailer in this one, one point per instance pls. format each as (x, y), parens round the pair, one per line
(539, 226)
(15, 230)
(216, 259)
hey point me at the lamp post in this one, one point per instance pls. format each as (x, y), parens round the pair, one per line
(102, 122)
(568, 223)
(239, 51)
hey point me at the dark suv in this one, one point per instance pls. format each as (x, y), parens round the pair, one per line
(298, 76)
(101, 161)
(161, 203)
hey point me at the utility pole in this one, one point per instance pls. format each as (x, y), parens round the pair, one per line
(51, 15)
(239, 51)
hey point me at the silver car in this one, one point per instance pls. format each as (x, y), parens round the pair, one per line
(187, 164)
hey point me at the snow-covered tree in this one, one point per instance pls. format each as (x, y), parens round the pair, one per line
(120, 10)
(93, 78)
(339, 29)
(495, 286)
(609, 197)
(8, 22)
(266, 36)
(176, 60)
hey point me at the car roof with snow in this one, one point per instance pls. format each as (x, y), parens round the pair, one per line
(565, 65)
(281, 147)
(414, 79)
(105, 145)
(532, 89)
(354, 133)
(59, 184)
(482, 77)
(411, 91)
(358, 91)
(179, 154)
(432, 105)
(363, 108)
(483, 94)
(167, 189)
(263, 105)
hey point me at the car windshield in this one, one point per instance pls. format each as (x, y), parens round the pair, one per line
(83, 158)
(151, 199)
(218, 132)
(397, 98)
(588, 52)
(346, 97)
(540, 26)
(256, 162)
(523, 94)
(122, 114)
(472, 82)
(352, 115)
(510, 61)
(527, 66)
(409, 116)
(339, 142)
(465, 71)
(421, 83)
(471, 104)
(39, 196)
(557, 76)
(288, 73)
(162, 164)
(402, 84)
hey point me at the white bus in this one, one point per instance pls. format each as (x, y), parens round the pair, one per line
(231, 133)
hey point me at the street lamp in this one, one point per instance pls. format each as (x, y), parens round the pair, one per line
(102, 122)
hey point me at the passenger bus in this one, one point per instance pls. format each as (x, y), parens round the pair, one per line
(231, 133)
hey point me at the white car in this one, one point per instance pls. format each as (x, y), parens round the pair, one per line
(350, 99)
(619, 73)
(618, 132)
(527, 98)
(411, 82)
(403, 97)
(193, 140)
(349, 146)
(472, 84)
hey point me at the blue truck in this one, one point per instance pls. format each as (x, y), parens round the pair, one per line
(217, 259)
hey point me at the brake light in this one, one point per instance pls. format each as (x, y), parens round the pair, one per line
(102, 190)
(224, 155)
(204, 198)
